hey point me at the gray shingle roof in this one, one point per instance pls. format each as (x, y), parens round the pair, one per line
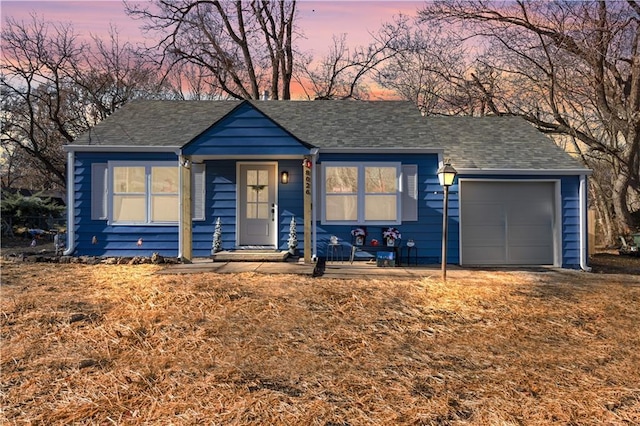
(498, 143)
(351, 124)
(156, 123)
(470, 142)
(326, 124)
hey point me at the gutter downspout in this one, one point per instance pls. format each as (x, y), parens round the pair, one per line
(583, 224)
(314, 195)
(71, 196)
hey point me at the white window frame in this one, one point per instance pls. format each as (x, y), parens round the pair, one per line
(148, 165)
(361, 193)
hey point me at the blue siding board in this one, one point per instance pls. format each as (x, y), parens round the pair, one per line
(246, 131)
(220, 196)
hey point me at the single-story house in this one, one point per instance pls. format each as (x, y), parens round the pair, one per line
(156, 175)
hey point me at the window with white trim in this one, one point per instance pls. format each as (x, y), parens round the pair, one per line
(143, 194)
(361, 193)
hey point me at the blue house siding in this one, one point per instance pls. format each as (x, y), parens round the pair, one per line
(245, 131)
(570, 194)
(427, 230)
(221, 202)
(291, 203)
(569, 211)
(115, 240)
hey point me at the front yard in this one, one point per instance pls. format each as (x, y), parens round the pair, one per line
(110, 344)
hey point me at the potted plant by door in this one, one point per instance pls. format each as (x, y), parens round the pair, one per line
(391, 235)
(359, 235)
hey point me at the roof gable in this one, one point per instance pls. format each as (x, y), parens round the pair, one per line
(246, 131)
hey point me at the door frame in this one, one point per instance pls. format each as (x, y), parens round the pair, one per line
(239, 209)
(557, 211)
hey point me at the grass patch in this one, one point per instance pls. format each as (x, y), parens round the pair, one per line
(120, 344)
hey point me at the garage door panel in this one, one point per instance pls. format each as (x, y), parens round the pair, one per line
(477, 234)
(484, 214)
(507, 223)
(530, 255)
(490, 255)
(530, 234)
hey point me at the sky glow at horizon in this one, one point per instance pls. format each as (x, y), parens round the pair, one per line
(318, 20)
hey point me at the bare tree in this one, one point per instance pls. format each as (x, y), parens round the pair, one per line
(245, 46)
(34, 85)
(572, 69)
(54, 87)
(111, 73)
(346, 72)
(430, 69)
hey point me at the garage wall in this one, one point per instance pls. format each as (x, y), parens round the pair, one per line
(506, 222)
(567, 250)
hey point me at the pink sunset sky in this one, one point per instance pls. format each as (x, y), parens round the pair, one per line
(318, 20)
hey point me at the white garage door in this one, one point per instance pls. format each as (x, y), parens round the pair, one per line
(507, 223)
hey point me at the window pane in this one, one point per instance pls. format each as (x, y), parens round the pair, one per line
(263, 211)
(129, 179)
(380, 207)
(164, 180)
(342, 207)
(263, 195)
(341, 179)
(381, 179)
(263, 177)
(164, 208)
(129, 208)
(252, 177)
(252, 211)
(251, 194)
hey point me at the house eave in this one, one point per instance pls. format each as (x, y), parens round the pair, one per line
(526, 172)
(356, 150)
(201, 158)
(120, 148)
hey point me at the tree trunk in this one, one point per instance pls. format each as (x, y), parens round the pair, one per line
(623, 221)
(606, 236)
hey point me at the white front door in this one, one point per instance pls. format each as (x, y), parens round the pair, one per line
(257, 204)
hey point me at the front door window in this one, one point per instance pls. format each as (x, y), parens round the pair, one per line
(257, 194)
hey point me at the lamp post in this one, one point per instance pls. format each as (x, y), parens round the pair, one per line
(446, 176)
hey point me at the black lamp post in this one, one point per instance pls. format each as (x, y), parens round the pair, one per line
(446, 176)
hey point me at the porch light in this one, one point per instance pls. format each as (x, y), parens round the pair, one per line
(446, 176)
(284, 178)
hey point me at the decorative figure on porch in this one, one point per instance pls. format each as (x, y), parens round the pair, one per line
(359, 234)
(217, 237)
(292, 243)
(391, 235)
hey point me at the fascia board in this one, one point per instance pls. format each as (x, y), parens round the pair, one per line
(119, 148)
(530, 172)
(381, 150)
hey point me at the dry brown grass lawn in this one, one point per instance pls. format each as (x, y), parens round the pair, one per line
(123, 345)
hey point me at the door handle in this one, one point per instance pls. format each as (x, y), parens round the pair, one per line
(273, 212)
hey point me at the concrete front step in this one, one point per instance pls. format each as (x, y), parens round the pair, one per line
(250, 256)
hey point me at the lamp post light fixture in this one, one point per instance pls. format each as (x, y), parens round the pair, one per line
(446, 176)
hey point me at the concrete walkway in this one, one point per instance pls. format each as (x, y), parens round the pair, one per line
(339, 270)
